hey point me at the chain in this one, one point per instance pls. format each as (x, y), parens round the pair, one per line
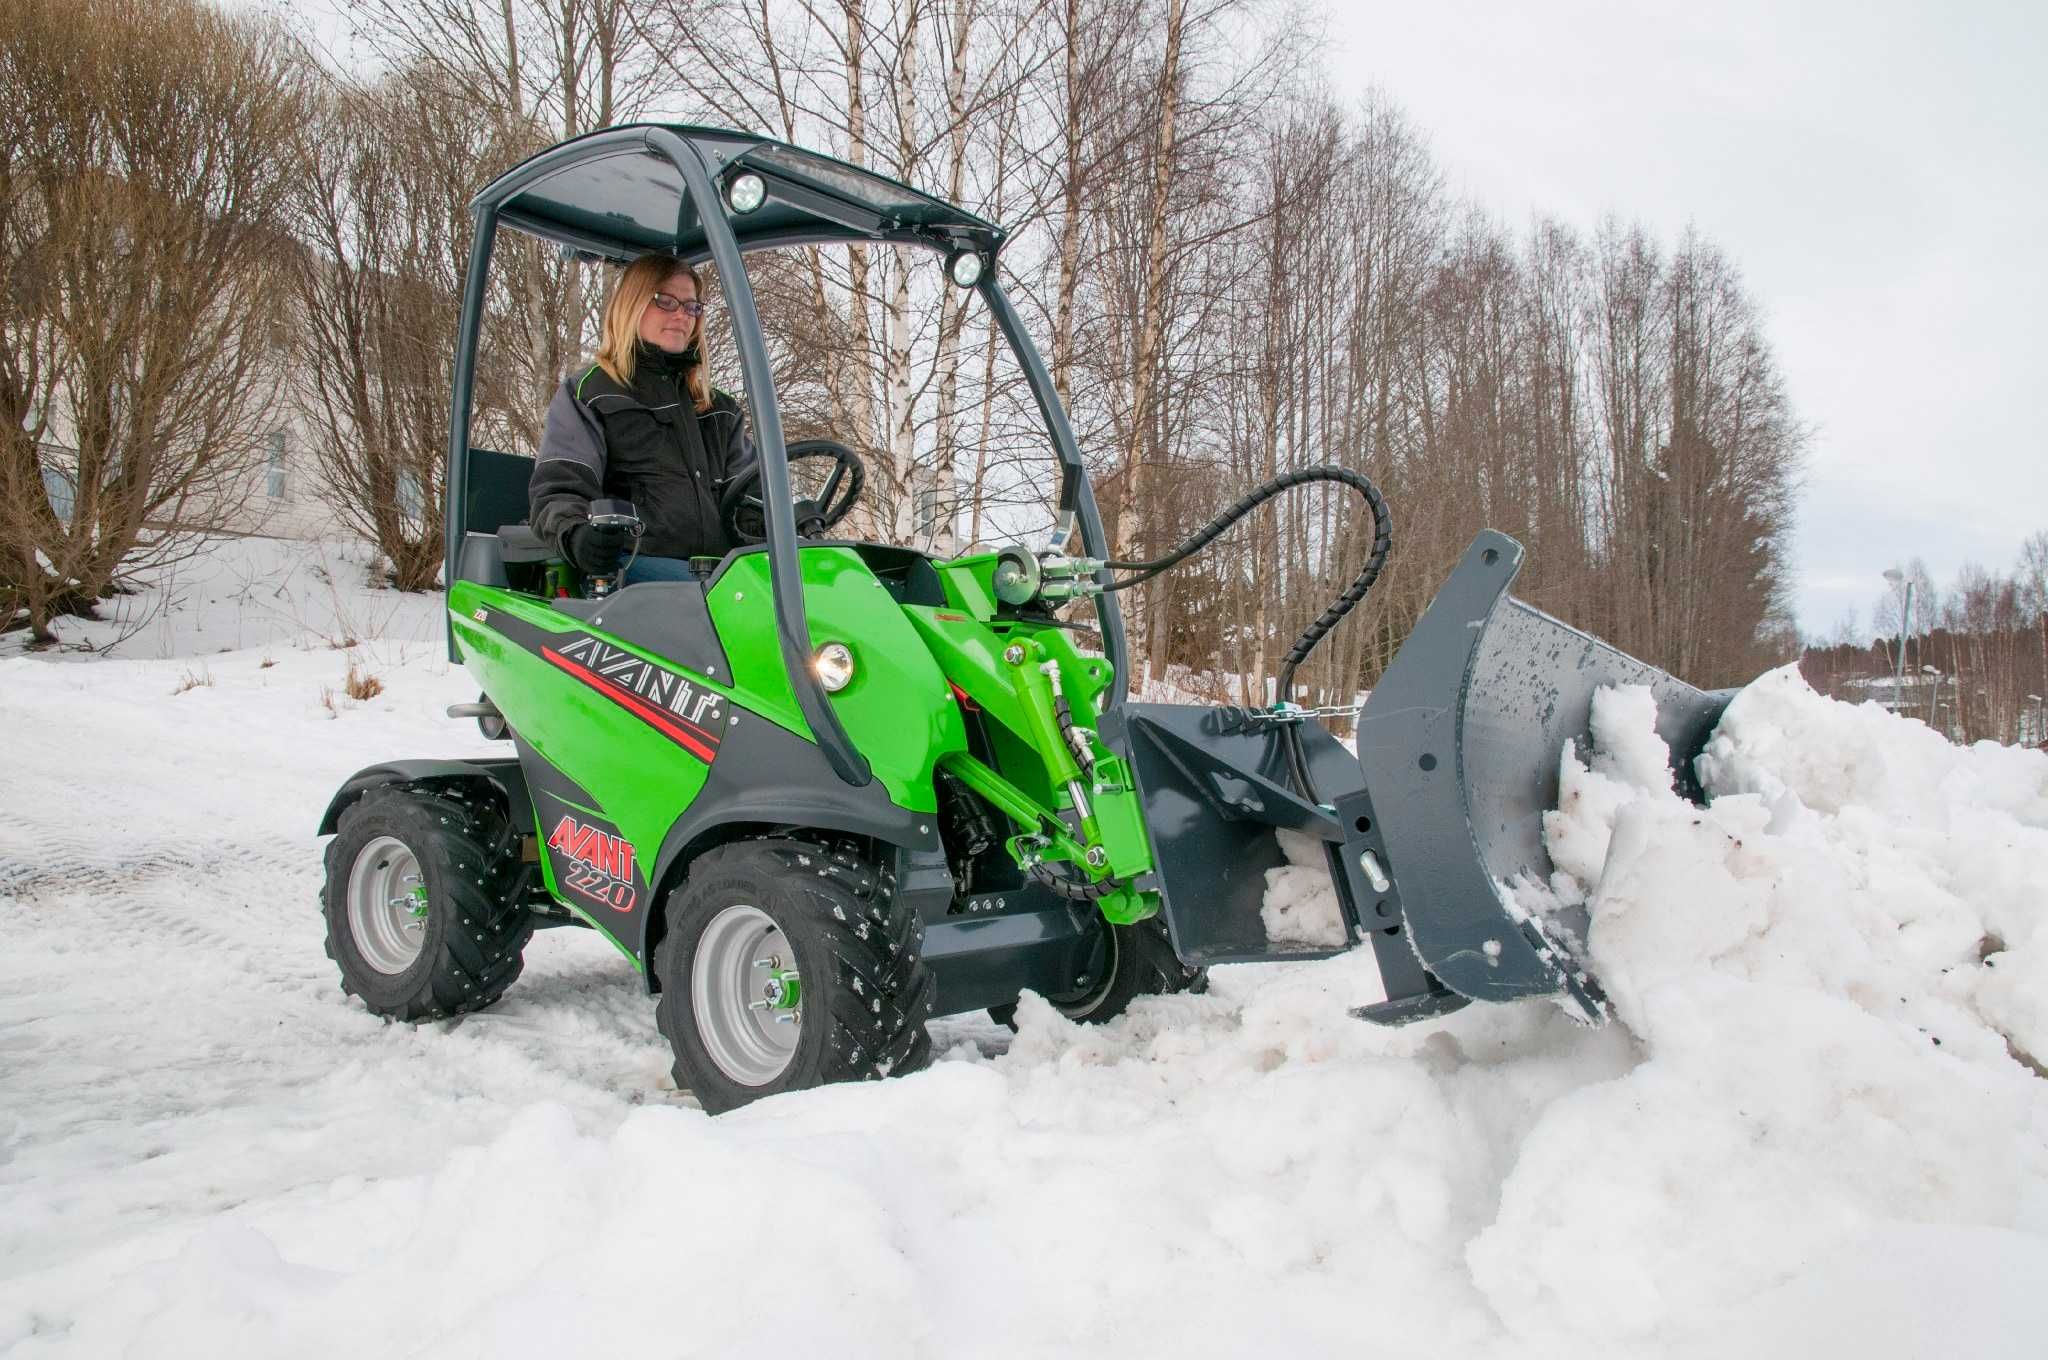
(1293, 713)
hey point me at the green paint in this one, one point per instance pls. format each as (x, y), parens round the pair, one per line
(899, 709)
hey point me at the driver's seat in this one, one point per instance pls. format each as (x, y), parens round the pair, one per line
(494, 521)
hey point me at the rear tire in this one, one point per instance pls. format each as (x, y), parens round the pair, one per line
(1141, 963)
(751, 915)
(460, 947)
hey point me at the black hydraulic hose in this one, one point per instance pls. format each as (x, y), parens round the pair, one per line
(1075, 890)
(1382, 543)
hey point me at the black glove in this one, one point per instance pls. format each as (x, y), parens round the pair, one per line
(595, 549)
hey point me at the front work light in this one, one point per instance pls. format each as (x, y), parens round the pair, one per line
(833, 664)
(745, 192)
(964, 268)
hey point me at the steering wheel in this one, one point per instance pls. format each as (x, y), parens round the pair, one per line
(746, 519)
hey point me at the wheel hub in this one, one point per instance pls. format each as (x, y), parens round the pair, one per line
(746, 995)
(387, 905)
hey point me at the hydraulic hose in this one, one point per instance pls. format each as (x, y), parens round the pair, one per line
(1382, 543)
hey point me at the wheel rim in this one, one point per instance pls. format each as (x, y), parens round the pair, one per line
(746, 996)
(387, 905)
(1079, 1004)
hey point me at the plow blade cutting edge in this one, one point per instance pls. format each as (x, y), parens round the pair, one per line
(1458, 753)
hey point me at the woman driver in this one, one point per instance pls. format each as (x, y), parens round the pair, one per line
(642, 423)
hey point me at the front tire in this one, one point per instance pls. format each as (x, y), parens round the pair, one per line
(423, 911)
(787, 965)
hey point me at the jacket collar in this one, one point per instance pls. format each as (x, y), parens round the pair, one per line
(655, 359)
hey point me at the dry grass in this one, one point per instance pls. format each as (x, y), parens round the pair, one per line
(194, 681)
(361, 685)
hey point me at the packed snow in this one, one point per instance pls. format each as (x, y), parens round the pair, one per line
(1300, 904)
(1817, 1126)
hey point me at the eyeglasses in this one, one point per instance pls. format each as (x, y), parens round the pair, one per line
(687, 306)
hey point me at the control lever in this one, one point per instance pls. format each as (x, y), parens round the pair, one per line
(614, 514)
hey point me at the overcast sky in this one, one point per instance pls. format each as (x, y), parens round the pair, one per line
(1875, 169)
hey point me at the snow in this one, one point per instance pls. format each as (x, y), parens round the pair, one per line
(206, 1148)
(1300, 904)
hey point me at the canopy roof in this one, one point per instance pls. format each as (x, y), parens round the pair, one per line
(616, 194)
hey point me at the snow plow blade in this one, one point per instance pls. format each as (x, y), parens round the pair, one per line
(1458, 752)
(1460, 743)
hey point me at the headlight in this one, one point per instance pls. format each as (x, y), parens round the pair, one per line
(964, 269)
(833, 665)
(746, 191)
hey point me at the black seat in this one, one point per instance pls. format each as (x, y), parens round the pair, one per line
(496, 495)
(493, 519)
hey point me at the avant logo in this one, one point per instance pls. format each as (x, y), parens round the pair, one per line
(647, 680)
(599, 866)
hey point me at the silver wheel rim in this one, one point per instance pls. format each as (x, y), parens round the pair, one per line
(743, 969)
(387, 905)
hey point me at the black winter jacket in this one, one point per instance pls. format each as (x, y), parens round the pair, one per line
(644, 443)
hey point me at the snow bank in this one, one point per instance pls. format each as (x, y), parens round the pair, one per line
(1835, 975)
(206, 1148)
(237, 593)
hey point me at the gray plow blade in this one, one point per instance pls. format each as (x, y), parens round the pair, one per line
(1460, 743)
(1458, 751)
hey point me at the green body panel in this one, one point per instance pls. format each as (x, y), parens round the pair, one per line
(896, 708)
(966, 582)
(637, 780)
(899, 709)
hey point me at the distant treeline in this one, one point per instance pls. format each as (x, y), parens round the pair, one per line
(1975, 663)
(1231, 273)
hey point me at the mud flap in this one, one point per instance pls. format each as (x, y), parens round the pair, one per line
(1460, 743)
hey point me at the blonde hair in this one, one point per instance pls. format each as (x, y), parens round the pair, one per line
(637, 285)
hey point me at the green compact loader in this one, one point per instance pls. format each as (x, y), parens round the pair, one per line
(830, 789)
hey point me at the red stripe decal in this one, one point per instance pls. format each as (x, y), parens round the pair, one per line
(667, 723)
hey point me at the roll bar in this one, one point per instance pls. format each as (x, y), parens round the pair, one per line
(1076, 499)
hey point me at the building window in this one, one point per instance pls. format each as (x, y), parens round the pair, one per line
(59, 484)
(274, 469)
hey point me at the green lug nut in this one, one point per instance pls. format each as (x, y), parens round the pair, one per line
(784, 990)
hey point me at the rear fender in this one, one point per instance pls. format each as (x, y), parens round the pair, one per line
(502, 777)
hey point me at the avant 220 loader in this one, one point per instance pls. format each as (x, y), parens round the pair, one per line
(829, 789)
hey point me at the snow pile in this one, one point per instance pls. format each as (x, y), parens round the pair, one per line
(206, 1148)
(1300, 904)
(1836, 972)
(237, 593)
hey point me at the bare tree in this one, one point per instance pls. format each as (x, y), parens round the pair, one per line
(382, 210)
(143, 177)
